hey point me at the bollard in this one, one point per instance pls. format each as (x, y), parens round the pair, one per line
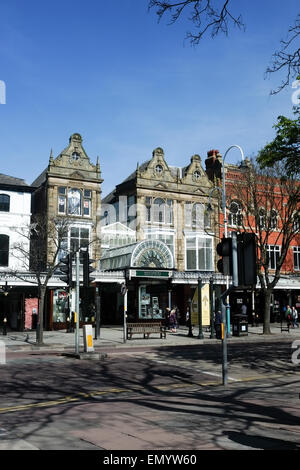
(2, 353)
(4, 326)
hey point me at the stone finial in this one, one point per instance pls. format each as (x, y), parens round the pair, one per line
(196, 158)
(158, 152)
(76, 138)
(98, 165)
(51, 158)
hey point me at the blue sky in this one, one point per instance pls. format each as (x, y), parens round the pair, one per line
(128, 84)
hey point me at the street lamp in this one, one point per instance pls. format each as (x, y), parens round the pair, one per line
(223, 184)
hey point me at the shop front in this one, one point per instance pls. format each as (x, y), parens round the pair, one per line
(152, 291)
(148, 268)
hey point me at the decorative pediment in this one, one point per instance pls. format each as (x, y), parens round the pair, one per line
(77, 175)
(161, 186)
(199, 191)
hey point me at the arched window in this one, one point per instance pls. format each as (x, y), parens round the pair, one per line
(4, 249)
(4, 202)
(296, 222)
(235, 217)
(273, 219)
(262, 218)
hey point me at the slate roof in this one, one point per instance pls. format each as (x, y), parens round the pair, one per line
(7, 181)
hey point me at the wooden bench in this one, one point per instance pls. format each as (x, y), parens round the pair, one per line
(146, 329)
(285, 328)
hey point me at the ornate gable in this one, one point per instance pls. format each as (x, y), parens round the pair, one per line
(73, 161)
(194, 174)
(157, 169)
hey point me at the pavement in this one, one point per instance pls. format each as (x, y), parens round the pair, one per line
(111, 338)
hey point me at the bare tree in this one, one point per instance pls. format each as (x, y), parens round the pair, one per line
(287, 58)
(271, 210)
(206, 15)
(215, 17)
(39, 247)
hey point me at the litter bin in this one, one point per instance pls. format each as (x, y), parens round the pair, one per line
(240, 325)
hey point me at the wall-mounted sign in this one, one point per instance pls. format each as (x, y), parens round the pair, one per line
(150, 273)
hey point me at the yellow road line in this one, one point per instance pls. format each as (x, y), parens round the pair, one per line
(80, 395)
(61, 401)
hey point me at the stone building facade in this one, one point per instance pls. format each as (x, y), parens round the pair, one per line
(70, 189)
(166, 206)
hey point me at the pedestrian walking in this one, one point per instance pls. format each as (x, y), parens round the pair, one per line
(173, 320)
(288, 316)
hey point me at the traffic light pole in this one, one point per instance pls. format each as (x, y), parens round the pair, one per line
(224, 335)
(77, 305)
(224, 348)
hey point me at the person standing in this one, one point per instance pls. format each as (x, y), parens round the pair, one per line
(295, 317)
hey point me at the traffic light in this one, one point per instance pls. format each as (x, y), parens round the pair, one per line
(247, 268)
(87, 269)
(238, 259)
(66, 268)
(224, 249)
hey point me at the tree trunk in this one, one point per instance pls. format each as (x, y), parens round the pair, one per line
(267, 302)
(40, 325)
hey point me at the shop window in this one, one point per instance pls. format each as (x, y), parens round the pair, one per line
(60, 306)
(4, 203)
(4, 250)
(199, 253)
(153, 300)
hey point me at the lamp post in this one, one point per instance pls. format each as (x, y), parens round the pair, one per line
(223, 184)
